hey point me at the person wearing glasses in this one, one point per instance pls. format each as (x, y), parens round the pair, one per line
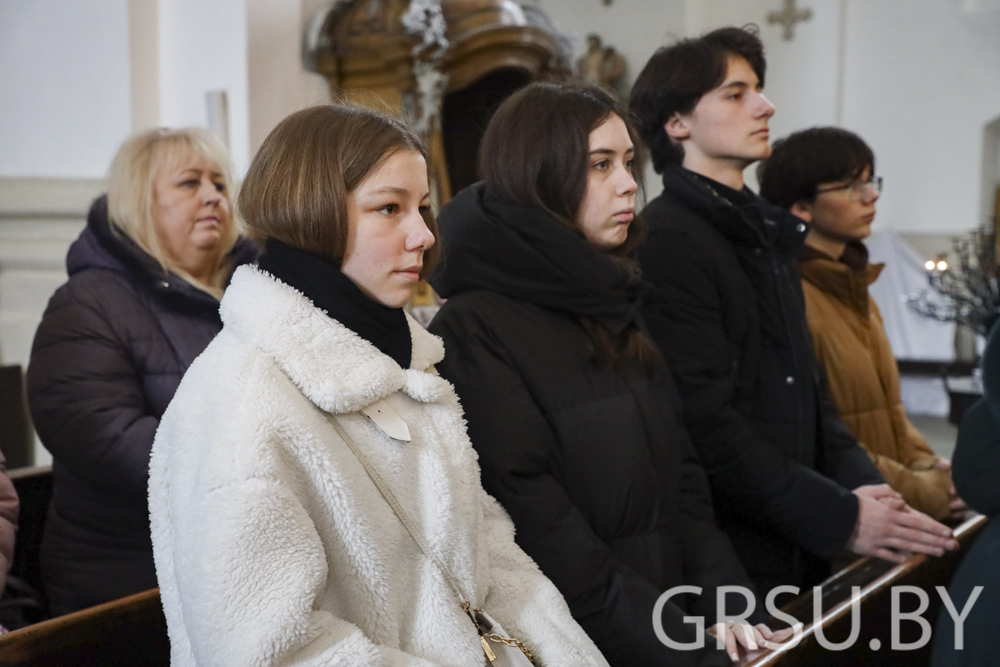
(826, 176)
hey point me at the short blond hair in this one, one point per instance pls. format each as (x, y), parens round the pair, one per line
(296, 188)
(132, 179)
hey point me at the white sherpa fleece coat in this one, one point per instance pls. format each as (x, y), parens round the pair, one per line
(273, 546)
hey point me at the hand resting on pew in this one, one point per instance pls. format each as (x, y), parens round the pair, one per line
(892, 530)
(750, 637)
(956, 507)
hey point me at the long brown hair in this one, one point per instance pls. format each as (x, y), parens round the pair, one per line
(536, 152)
(296, 188)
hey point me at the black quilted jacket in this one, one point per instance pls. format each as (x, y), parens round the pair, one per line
(112, 347)
(728, 313)
(592, 463)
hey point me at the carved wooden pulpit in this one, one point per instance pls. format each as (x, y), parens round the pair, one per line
(493, 48)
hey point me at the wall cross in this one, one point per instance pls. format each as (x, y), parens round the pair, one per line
(787, 17)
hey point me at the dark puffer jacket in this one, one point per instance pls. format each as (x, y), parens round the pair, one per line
(112, 347)
(976, 470)
(728, 313)
(592, 463)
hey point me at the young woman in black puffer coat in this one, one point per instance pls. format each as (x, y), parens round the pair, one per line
(569, 405)
(142, 301)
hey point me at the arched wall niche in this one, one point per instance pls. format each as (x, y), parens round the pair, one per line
(494, 48)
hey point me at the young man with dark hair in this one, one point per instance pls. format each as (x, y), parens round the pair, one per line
(826, 176)
(792, 488)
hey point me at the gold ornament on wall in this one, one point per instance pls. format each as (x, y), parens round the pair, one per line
(602, 65)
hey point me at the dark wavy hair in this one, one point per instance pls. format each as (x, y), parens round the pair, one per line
(803, 161)
(536, 152)
(677, 76)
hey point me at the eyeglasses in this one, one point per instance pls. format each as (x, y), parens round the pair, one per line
(858, 190)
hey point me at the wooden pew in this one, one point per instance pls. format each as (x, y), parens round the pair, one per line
(125, 632)
(132, 631)
(875, 577)
(129, 632)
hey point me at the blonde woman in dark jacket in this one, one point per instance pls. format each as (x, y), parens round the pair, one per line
(142, 301)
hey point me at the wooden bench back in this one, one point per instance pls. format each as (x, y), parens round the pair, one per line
(875, 578)
(132, 631)
(129, 632)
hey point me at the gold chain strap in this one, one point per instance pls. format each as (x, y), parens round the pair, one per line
(418, 537)
(494, 637)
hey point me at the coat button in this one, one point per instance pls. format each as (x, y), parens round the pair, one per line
(790, 380)
(801, 227)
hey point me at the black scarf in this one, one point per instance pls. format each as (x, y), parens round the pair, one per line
(331, 291)
(525, 253)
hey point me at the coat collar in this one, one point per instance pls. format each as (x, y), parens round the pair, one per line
(841, 281)
(756, 224)
(331, 365)
(99, 246)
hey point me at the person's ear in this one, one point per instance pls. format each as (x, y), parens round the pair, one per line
(803, 209)
(677, 127)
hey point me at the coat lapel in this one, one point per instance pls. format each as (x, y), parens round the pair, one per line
(331, 365)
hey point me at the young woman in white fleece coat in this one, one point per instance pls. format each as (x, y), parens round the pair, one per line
(272, 544)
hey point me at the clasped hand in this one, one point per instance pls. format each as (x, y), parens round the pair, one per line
(956, 506)
(889, 528)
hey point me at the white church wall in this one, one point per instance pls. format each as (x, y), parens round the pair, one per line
(64, 109)
(278, 83)
(203, 48)
(67, 102)
(922, 84)
(64, 86)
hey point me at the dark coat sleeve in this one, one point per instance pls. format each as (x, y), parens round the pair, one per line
(612, 602)
(842, 458)
(977, 451)
(709, 558)
(749, 475)
(84, 388)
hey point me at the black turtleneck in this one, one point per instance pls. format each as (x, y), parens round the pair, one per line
(331, 291)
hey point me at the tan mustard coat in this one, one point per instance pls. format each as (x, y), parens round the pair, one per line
(854, 350)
